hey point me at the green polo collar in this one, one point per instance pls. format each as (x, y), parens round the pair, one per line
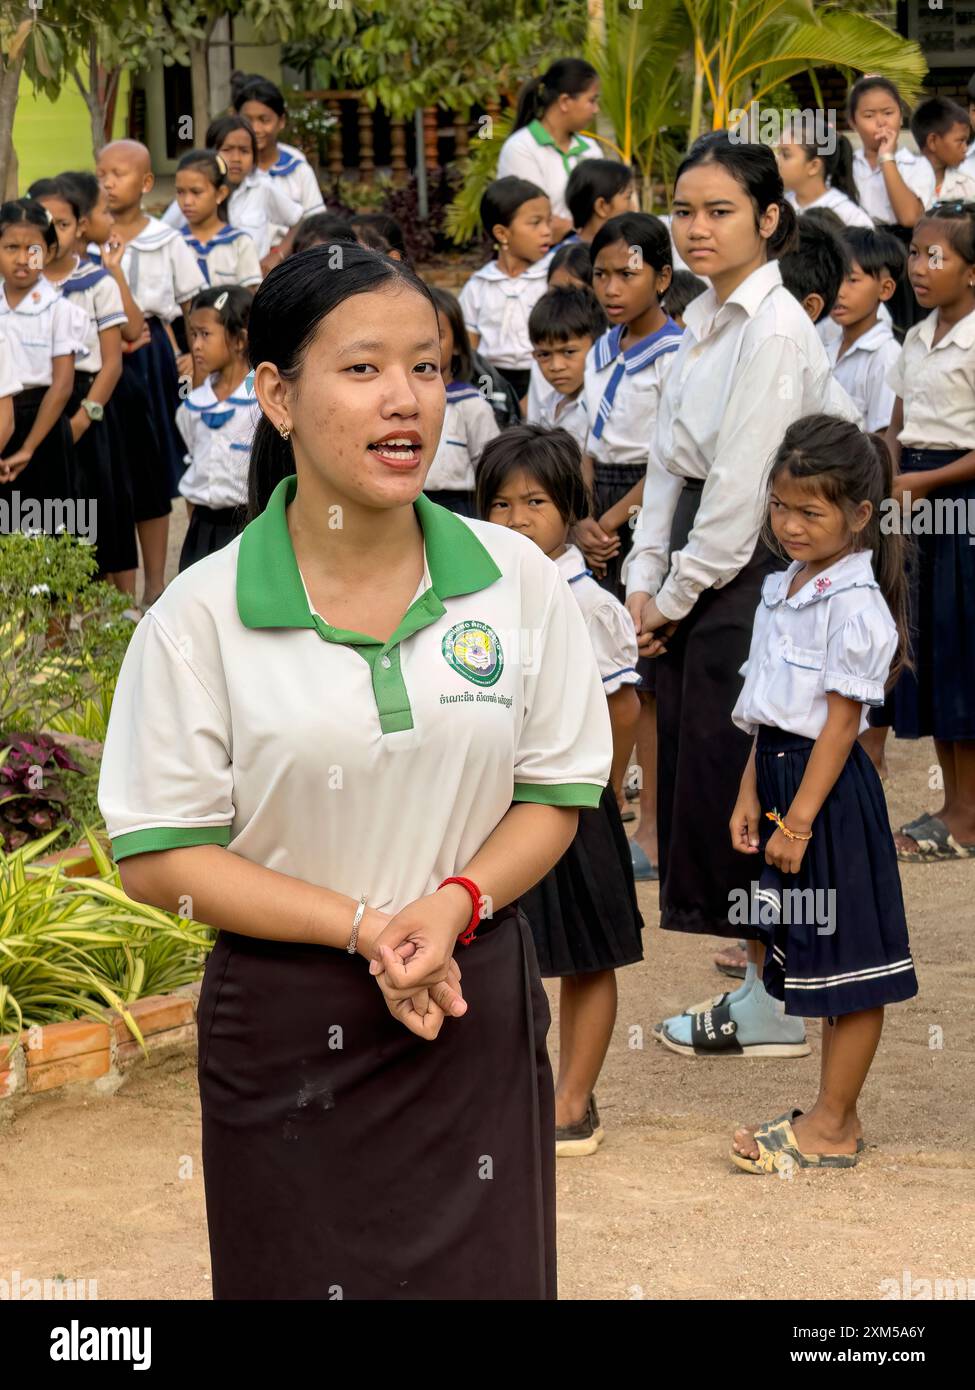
(269, 588)
(542, 136)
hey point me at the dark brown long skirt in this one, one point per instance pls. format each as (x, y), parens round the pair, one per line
(346, 1158)
(700, 753)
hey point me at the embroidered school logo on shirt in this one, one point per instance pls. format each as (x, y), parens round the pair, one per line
(473, 650)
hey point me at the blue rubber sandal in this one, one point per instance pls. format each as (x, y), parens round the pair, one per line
(643, 870)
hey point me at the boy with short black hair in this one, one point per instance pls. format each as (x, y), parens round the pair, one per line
(866, 349)
(942, 130)
(813, 274)
(598, 189)
(563, 326)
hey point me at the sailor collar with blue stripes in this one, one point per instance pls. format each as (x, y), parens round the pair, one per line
(461, 391)
(287, 161)
(638, 355)
(492, 271)
(224, 237)
(854, 571)
(85, 274)
(216, 413)
(154, 235)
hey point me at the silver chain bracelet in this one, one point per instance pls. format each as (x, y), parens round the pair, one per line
(353, 940)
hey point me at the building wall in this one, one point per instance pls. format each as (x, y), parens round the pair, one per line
(52, 136)
(264, 59)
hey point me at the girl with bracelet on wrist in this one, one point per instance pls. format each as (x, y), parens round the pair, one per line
(362, 693)
(830, 634)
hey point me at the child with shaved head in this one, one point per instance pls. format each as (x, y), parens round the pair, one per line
(164, 277)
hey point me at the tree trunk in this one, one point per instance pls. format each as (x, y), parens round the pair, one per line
(110, 98)
(200, 83)
(697, 102)
(9, 84)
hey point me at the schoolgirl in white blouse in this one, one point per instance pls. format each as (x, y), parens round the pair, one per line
(822, 177)
(810, 820)
(894, 183)
(257, 204)
(261, 104)
(45, 334)
(748, 365)
(225, 254)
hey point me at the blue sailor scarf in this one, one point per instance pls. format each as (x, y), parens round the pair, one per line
(224, 237)
(635, 359)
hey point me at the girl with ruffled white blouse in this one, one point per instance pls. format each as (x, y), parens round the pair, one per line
(827, 901)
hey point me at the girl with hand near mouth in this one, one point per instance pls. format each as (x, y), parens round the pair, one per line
(894, 183)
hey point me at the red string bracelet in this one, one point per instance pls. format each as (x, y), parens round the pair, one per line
(467, 936)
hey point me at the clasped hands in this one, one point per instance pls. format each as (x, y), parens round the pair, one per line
(411, 956)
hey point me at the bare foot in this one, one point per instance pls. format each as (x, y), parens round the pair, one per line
(733, 957)
(647, 840)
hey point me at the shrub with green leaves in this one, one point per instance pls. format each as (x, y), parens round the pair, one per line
(69, 947)
(62, 633)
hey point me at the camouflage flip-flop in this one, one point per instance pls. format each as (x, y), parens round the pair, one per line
(790, 1115)
(934, 841)
(779, 1152)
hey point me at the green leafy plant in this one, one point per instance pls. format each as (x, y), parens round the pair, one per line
(355, 195)
(463, 219)
(308, 123)
(62, 633)
(69, 947)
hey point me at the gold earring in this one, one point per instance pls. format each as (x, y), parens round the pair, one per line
(284, 432)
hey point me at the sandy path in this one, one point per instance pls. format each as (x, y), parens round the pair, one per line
(111, 1188)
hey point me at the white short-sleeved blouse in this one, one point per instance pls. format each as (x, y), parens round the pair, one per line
(622, 391)
(497, 307)
(468, 424)
(936, 382)
(835, 634)
(532, 154)
(609, 625)
(243, 719)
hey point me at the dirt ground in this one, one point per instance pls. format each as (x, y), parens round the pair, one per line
(110, 1187)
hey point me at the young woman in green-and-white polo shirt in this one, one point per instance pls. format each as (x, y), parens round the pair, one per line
(546, 143)
(360, 697)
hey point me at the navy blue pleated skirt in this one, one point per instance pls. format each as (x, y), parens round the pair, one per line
(50, 475)
(584, 914)
(835, 932)
(154, 367)
(937, 698)
(97, 480)
(210, 529)
(611, 482)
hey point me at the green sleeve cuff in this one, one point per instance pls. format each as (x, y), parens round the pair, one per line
(168, 837)
(582, 794)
